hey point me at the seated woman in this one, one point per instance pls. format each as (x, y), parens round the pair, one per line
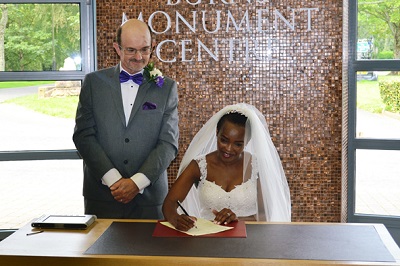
(231, 170)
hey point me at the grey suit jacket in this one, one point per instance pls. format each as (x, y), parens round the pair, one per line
(147, 144)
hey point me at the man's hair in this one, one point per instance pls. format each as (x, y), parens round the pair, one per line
(119, 32)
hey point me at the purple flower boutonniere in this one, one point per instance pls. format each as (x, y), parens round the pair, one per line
(155, 74)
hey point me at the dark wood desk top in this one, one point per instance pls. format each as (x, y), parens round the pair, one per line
(68, 247)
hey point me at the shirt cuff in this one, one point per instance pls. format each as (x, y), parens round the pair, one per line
(111, 177)
(141, 181)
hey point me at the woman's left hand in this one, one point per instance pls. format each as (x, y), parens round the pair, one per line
(225, 216)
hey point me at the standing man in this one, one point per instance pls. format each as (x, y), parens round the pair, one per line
(127, 131)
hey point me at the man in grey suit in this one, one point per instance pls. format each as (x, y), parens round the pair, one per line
(126, 133)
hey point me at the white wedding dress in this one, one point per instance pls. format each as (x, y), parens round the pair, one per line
(242, 200)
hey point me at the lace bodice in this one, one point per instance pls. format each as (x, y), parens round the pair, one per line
(242, 200)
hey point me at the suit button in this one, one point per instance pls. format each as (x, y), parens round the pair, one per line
(126, 140)
(126, 162)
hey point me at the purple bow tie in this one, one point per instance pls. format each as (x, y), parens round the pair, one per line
(137, 78)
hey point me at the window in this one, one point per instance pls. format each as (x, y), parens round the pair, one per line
(42, 65)
(41, 37)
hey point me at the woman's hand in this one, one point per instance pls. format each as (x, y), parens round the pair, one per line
(184, 223)
(225, 216)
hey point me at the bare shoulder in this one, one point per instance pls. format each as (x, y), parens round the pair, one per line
(192, 170)
(247, 166)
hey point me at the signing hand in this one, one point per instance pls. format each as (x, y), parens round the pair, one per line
(184, 222)
(225, 216)
(124, 190)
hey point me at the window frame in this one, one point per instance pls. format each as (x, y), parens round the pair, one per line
(88, 55)
(354, 143)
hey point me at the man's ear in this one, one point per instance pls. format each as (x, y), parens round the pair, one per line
(116, 47)
(153, 47)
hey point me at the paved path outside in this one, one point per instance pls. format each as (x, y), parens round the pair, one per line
(6, 94)
(378, 172)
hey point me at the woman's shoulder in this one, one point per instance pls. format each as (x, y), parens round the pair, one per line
(246, 153)
(201, 164)
(250, 164)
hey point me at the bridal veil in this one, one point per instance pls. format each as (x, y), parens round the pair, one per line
(273, 191)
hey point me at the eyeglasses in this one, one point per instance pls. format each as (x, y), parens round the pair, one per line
(133, 51)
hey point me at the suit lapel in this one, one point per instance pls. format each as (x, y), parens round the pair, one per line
(116, 93)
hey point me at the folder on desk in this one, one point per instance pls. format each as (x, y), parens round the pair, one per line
(238, 230)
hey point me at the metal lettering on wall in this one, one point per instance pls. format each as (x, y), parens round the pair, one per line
(261, 49)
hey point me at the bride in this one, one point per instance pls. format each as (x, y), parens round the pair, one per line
(231, 170)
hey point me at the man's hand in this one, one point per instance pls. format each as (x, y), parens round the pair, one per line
(124, 190)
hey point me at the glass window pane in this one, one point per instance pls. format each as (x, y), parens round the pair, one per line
(378, 106)
(377, 30)
(40, 37)
(30, 189)
(378, 182)
(38, 115)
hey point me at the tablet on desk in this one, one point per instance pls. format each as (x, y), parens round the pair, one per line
(64, 221)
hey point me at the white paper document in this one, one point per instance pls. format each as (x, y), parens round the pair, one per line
(204, 227)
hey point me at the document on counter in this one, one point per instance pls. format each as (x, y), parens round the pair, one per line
(204, 227)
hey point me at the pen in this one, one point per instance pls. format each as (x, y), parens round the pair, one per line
(184, 211)
(34, 233)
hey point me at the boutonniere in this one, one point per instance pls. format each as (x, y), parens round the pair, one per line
(155, 74)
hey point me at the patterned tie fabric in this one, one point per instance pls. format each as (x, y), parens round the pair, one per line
(137, 78)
